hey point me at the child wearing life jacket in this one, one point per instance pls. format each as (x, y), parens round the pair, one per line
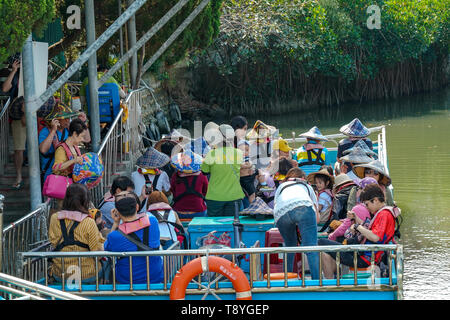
(323, 181)
(381, 230)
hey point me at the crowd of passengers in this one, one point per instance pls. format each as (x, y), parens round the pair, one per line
(179, 178)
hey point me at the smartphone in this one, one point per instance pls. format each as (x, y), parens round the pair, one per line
(148, 188)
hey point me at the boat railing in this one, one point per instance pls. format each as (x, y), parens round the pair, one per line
(13, 288)
(174, 259)
(4, 131)
(27, 233)
(122, 144)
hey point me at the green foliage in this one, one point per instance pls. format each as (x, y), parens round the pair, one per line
(18, 19)
(267, 49)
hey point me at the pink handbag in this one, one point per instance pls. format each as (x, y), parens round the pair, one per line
(55, 186)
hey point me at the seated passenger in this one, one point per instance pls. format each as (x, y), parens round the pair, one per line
(323, 181)
(356, 156)
(119, 184)
(353, 198)
(355, 131)
(170, 226)
(380, 231)
(312, 155)
(189, 185)
(137, 232)
(72, 229)
(341, 190)
(149, 172)
(375, 169)
(339, 234)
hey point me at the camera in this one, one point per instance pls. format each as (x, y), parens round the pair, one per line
(13, 58)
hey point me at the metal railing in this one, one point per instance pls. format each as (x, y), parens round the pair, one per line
(4, 132)
(18, 289)
(174, 260)
(23, 235)
(122, 144)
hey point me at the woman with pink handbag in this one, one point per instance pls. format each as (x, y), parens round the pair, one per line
(66, 156)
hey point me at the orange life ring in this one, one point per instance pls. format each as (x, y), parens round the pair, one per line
(216, 264)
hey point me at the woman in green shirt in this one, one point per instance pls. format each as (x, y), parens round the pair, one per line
(223, 163)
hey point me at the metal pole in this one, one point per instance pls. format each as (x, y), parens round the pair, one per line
(92, 76)
(142, 41)
(87, 53)
(132, 43)
(31, 121)
(119, 2)
(172, 38)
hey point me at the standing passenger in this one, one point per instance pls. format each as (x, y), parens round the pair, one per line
(189, 185)
(223, 163)
(296, 205)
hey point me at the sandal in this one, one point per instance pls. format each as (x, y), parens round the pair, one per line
(18, 185)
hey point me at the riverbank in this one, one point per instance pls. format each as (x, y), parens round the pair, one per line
(284, 56)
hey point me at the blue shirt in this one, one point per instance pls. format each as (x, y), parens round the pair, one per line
(116, 242)
(43, 160)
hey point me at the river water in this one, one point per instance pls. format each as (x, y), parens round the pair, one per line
(418, 147)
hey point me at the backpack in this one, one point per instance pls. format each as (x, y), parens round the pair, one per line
(179, 230)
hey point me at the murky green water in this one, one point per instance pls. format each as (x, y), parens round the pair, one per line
(418, 145)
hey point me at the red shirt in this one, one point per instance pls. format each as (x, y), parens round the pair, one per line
(190, 202)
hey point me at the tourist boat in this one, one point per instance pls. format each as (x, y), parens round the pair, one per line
(257, 270)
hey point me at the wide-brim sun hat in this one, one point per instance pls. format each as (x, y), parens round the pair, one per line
(374, 165)
(215, 134)
(158, 145)
(257, 207)
(324, 172)
(261, 130)
(357, 155)
(355, 129)
(313, 134)
(186, 162)
(361, 144)
(152, 159)
(340, 180)
(61, 111)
